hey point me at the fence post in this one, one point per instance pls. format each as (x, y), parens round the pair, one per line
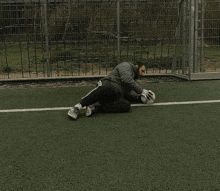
(192, 38)
(46, 31)
(202, 37)
(195, 68)
(118, 31)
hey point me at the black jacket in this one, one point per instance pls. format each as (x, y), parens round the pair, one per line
(125, 74)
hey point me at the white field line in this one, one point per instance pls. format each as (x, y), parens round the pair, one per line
(178, 103)
(133, 105)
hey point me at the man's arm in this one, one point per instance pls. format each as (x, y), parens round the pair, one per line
(133, 98)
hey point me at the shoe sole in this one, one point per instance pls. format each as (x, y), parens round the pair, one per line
(88, 112)
(70, 114)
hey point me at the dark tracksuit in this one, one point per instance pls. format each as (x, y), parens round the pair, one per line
(114, 91)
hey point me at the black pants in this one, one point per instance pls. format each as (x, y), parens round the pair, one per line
(110, 98)
(119, 106)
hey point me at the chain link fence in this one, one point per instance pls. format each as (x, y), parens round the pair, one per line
(208, 37)
(64, 38)
(198, 39)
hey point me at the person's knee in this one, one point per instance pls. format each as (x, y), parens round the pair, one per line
(127, 107)
(120, 106)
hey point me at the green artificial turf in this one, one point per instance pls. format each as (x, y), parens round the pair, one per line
(150, 148)
(67, 97)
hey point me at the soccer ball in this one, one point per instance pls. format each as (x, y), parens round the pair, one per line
(151, 101)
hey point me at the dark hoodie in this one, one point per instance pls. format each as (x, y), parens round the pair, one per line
(124, 74)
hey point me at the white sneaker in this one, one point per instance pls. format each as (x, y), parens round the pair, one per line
(73, 113)
(89, 110)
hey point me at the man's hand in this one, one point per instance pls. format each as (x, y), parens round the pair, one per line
(146, 95)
